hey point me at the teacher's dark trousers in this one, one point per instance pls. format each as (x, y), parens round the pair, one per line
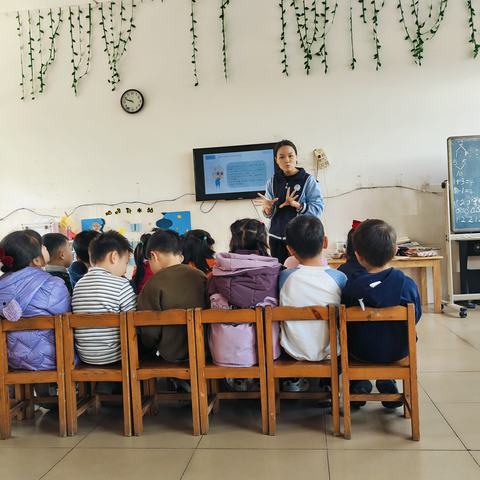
(278, 249)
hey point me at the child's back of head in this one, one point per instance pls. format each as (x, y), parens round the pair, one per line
(19, 250)
(81, 244)
(306, 238)
(250, 235)
(110, 251)
(375, 243)
(58, 249)
(164, 249)
(197, 247)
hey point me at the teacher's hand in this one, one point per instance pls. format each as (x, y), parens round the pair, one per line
(265, 203)
(291, 200)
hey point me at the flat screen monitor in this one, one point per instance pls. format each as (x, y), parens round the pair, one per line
(229, 173)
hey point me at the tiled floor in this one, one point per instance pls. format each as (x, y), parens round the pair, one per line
(380, 448)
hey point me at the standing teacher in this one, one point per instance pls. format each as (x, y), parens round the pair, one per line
(290, 192)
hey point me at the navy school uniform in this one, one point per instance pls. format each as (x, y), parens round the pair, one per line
(380, 342)
(352, 268)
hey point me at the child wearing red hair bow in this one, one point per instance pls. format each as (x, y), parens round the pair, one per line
(351, 268)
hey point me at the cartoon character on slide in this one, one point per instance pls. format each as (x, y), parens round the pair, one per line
(218, 175)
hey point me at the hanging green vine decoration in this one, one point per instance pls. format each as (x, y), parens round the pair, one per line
(35, 41)
(307, 18)
(363, 15)
(223, 5)
(328, 18)
(194, 41)
(422, 32)
(352, 46)
(31, 64)
(80, 25)
(283, 37)
(473, 29)
(22, 66)
(116, 38)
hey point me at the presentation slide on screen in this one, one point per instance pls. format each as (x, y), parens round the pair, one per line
(234, 172)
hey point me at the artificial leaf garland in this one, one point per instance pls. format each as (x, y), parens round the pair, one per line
(80, 25)
(117, 26)
(473, 29)
(327, 15)
(421, 32)
(375, 6)
(34, 61)
(307, 18)
(352, 46)
(194, 41)
(283, 37)
(223, 6)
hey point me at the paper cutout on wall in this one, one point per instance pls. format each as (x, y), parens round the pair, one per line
(96, 224)
(42, 227)
(179, 222)
(66, 227)
(135, 227)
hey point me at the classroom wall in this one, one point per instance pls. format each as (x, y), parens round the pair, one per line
(377, 128)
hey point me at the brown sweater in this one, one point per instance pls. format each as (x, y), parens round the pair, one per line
(179, 286)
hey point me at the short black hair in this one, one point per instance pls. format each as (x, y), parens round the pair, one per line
(305, 234)
(81, 243)
(22, 247)
(283, 143)
(164, 241)
(249, 234)
(376, 241)
(107, 242)
(53, 242)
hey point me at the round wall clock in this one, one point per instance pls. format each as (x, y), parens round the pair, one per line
(132, 101)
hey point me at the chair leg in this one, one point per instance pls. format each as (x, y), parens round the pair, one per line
(271, 401)
(346, 408)
(62, 409)
(19, 397)
(264, 404)
(127, 408)
(215, 390)
(5, 420)
(335, 405)
(136, 386)
(277, 398)
(71, 407)
(415, 410)
(203, 404)
(30, 409)
(406, 394)
(195, 410)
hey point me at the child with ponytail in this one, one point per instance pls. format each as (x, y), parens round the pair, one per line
(26, 290)
(245, 277)
(197, 247)
(142, 272)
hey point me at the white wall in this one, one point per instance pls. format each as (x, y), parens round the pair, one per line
(378, 128)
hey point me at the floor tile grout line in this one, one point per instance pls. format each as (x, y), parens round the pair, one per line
(56, 463)
(188, 464)
(460, 337)
(474, 459)
(443, 416)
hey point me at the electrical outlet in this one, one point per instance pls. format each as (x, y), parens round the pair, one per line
(321, 158)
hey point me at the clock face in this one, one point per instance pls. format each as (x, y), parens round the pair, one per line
(132, 101)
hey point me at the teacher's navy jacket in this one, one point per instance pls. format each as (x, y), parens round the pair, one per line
(310, 196)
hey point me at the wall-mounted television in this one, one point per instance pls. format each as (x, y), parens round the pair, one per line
(229, 173)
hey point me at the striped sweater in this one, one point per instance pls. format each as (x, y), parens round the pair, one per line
(99, 291)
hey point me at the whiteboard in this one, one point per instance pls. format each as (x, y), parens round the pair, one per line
(464, 183)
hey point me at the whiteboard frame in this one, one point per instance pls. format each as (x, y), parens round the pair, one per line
(451, 185)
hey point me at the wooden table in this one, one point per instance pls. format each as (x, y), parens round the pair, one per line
(420, 263)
